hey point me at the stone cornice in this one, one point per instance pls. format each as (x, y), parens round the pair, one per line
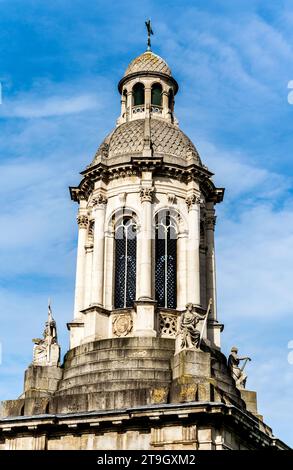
(159, 167)
(251, 427)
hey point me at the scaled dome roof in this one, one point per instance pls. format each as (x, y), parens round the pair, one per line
(166, 139)
(148, 62)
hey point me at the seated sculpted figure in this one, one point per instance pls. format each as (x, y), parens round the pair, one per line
(188, 327)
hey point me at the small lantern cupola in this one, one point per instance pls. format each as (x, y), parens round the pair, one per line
(147, 88)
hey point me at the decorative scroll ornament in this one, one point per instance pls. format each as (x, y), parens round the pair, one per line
(99, 201)
(192, 200)
(104, 150)
(82, 220)
(146, 194)
(122, 325)
(171, 198)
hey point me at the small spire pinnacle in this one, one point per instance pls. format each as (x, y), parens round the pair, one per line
(150, 32)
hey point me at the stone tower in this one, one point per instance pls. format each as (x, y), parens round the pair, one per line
(145, 368)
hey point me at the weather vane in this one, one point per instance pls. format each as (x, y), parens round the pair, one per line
(150, 31)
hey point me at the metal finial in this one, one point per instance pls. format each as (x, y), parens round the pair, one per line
(49, 309)
(150, 32)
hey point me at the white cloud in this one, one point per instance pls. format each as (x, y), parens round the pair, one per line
(37, 107)
(240, 175)
(254, 260)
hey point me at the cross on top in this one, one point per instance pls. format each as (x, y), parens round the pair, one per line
(150, 31)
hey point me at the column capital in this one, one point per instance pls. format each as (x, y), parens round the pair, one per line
(146, 194)
(193, 200)
(210, 222)
(99, 201)
(82, 220)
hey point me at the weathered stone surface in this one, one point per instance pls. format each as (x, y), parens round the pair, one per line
(250, 400)
(41, 380)
(168, 427)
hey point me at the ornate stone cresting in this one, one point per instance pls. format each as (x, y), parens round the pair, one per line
(237, 372)
(46, 350)
(104, 149)
(146, 194)
(82, 220)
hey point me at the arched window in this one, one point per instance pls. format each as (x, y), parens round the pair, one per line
(166, 259)
(125, 263)
(138, 94)
(157, 94)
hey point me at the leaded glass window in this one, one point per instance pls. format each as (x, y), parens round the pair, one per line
(138, 94)
(166, 259)
(125, 263)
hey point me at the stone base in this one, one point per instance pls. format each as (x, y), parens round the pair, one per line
(191, 373)
(41, 381)
(250, 399)
(145, 318)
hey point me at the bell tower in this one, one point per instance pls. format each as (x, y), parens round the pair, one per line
(144, 369)
(146, 218)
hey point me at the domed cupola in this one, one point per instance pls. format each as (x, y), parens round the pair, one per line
(147, 89)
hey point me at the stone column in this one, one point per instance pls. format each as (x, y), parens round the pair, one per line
(166, 110)
(123, 105)
(147, 96)
(145, 306)
(82, 220)
(99, 203)
(182, 273)
(109, 269)
(129, 104)
(193, 290)
(146, 194)
(210, 221)
(89, 248)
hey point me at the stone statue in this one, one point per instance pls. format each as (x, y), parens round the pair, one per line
(190, 335)
(237, 373)
(46, 350)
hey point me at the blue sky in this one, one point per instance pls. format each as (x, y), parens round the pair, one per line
(60, 63)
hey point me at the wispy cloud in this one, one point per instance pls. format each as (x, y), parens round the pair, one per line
(35, 107)
(255, 262)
